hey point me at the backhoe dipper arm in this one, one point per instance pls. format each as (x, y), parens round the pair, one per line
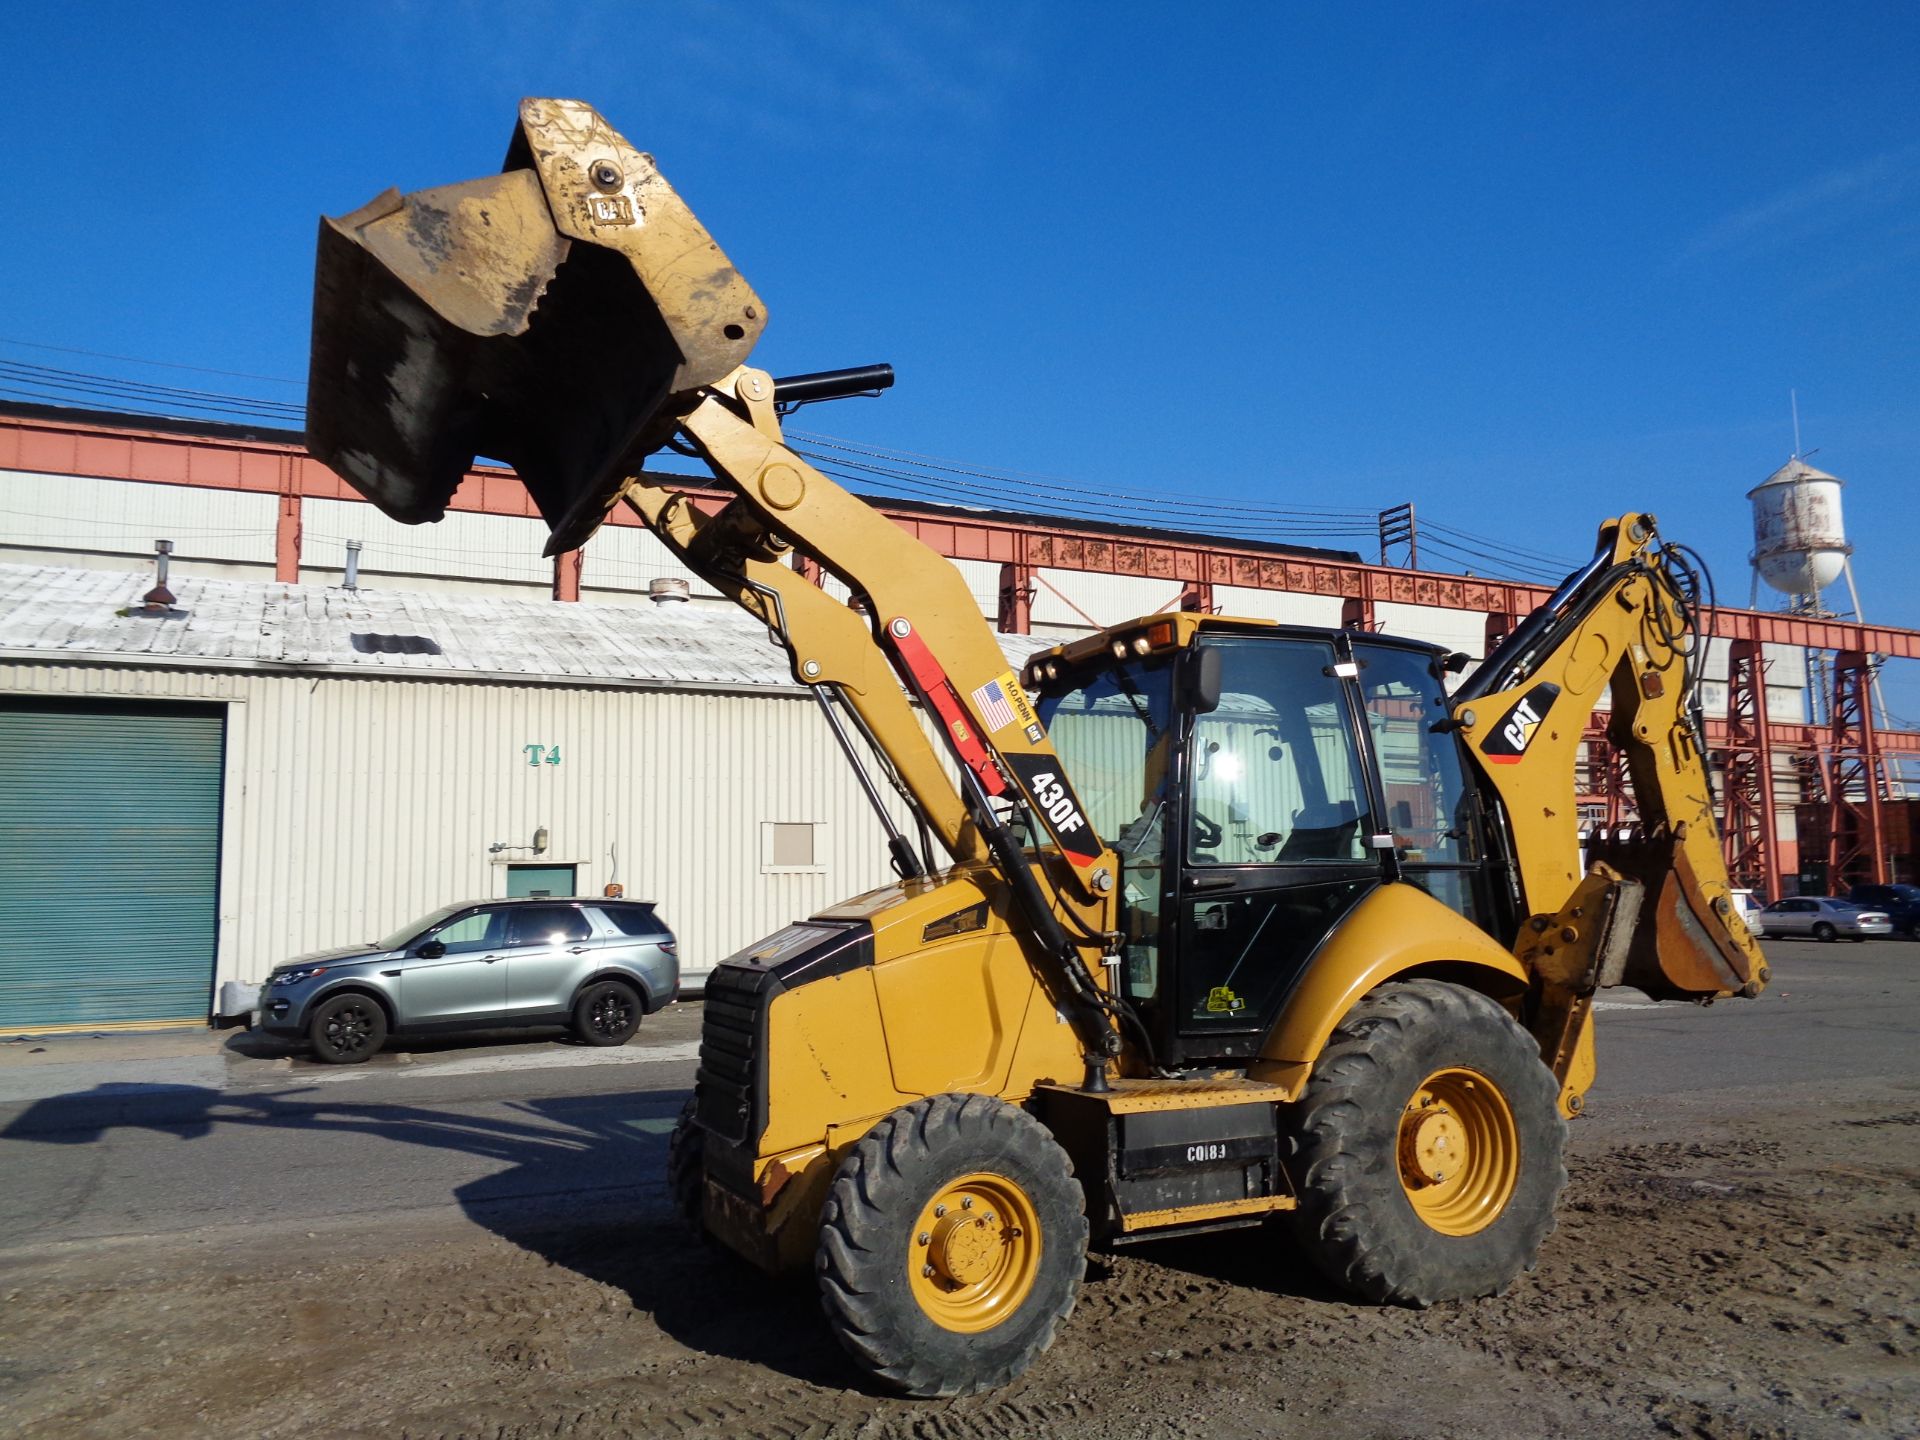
(1624, 623)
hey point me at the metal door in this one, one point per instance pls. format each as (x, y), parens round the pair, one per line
(1276, 848)
(109, 862)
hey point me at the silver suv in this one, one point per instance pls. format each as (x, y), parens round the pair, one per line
(595, 965)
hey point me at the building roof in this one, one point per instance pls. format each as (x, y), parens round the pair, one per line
(53, 613)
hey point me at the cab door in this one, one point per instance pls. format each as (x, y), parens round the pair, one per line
(1277, 845)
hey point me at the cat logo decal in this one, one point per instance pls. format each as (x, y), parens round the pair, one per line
(1515, 732)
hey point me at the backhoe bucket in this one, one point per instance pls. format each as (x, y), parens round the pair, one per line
(1680, 946)
(542, 317)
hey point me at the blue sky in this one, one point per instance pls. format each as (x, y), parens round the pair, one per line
(1523, 265)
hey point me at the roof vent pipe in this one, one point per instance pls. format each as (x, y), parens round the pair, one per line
(351, 581)
(669, 591)
(159, 600)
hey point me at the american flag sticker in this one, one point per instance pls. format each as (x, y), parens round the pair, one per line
(994, 703)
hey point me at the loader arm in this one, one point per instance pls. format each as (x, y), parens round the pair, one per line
(571, 317)
(1654, 910)
(926, 628)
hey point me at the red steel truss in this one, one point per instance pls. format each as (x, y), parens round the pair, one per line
(1750, 829)
(1849, 754)
(1855, 778)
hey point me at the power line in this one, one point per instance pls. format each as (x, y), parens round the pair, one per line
(1024, 482)
(45, 393)
(878, 472)
(85, 382)
(157, 364)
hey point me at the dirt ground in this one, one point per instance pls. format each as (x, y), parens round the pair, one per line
(1711, 1277)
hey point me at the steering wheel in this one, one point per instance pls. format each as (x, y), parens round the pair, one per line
(1206, 833)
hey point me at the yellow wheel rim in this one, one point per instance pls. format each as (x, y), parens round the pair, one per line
(974, 1252)
(1459, 1152)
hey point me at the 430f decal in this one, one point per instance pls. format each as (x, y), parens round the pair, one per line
(1058, 806)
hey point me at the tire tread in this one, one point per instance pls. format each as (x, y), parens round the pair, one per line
(1347, 1219)
(875, 1188)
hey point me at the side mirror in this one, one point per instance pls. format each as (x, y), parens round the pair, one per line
(432, 950)
(1200, 679)
(1456, 663)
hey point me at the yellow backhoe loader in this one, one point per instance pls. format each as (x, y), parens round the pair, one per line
(1200, 922)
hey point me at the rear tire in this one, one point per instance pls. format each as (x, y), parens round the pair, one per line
(952, 1245)
(686, 1166)
(347, 1029)
(1826, 932)
(607, 1013)
(1430, 1148)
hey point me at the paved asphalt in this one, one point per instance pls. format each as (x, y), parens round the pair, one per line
(94, 1144)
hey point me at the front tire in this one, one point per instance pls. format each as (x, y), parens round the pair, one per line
(952, 1245)
(1430, 1148)
(347, 1029)
(606, 1013)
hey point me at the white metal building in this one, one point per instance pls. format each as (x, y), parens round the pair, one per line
(287, 767)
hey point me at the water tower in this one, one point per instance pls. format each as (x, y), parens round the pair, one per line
(1800, 548)
(1799, 539)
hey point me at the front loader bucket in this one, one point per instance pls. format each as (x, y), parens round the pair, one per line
(541, 317)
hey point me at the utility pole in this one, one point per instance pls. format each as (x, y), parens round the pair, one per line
(1397, 528)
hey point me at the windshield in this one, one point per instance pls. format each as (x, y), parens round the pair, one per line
(406, 933)
(1112, 732)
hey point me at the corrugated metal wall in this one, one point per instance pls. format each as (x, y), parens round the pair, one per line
(1086, 599)
(354, 804)
(124, 518)
(1282, 605)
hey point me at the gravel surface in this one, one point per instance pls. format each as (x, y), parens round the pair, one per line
(1726, 1265)
(471, 1238)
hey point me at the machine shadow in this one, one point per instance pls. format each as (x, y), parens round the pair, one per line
(578, 1181)
(1258, 1257)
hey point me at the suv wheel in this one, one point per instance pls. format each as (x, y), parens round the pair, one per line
(347, 1029)
(607, 1013)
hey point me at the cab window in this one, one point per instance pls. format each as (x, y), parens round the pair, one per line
(1428, 805)
(1276, 774)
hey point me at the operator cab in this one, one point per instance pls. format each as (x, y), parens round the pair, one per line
(1257, 781)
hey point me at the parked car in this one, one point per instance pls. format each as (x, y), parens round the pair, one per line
(1824, 918)
(594, 965)
(1901, 903)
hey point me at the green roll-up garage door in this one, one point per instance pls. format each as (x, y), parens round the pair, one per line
(109, 862)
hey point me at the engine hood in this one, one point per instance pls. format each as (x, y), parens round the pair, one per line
(339, 952)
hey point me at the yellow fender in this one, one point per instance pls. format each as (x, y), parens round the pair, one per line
(1396, 932)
